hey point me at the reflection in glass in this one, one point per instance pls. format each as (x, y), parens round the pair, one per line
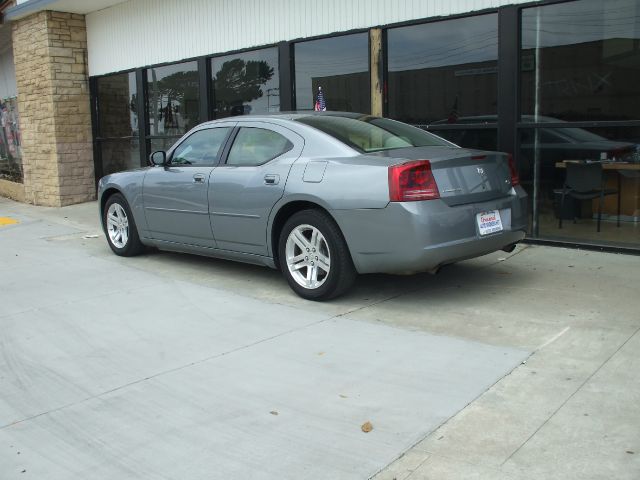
(246, 83)
(162, 143)
(340, 65)
(581, 60)
(10, 141)
(117, 107)
(173, 96)
(119, 155)
(617, 149)
(444, 72)
(480, 138)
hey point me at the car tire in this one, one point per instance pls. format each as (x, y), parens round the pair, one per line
(120, 227)
(314, 256)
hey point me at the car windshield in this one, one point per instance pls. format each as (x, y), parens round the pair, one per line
(373, 134)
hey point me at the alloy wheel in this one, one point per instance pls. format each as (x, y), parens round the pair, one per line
(117, 225)
(308, 256)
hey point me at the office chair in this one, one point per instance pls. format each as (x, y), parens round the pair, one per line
(585, 181)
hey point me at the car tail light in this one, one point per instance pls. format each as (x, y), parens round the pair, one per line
(412, 181)
(515, 179)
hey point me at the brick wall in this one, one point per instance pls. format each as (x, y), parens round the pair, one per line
(50, 56)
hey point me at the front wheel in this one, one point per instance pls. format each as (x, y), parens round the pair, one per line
(314, 257)
(120, 227)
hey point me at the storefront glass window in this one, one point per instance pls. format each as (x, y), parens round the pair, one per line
(471, 137)
(162, 143)
(339, 68)
(245, 83)
(119, 154)
(10, 141)
(610, 156)
(442, 73)
(173, 99)
(116, 107)
(581, 61)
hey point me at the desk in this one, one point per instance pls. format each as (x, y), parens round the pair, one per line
(627, 183)
(617, 166)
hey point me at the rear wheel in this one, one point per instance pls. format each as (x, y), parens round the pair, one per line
(314, 257)
(120, 227)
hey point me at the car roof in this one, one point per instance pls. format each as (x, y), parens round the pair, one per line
(293, 115)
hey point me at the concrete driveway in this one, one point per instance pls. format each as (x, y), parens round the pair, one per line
(174, 366)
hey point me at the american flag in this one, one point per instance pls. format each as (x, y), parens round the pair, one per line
(320, 106)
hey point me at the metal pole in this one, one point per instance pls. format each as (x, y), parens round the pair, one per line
(536, 149)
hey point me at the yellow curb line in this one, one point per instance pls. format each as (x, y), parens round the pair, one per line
(7, 221)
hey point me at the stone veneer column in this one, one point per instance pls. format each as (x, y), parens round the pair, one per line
(50, 50)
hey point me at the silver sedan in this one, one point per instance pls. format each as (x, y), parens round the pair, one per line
(320, 196)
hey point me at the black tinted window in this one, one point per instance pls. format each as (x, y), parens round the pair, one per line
(117, 111)
(444, 72)
(579, 61)
(173, 93)
(338, 65)
(201, 148)
(255, 146)
(246, 83)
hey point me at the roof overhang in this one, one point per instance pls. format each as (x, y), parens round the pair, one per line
(28, 7)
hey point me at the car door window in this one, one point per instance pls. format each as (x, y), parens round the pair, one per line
(201, 148)
(256, 146)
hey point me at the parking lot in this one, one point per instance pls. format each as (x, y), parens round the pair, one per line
(515, 366)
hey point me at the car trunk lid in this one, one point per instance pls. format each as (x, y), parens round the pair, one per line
(462, 175)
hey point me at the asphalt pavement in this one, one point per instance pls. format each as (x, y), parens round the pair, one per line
(168, 366)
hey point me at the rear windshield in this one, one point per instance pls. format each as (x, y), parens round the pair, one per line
(373, 134)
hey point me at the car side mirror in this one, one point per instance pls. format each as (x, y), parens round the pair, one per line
(158, 158)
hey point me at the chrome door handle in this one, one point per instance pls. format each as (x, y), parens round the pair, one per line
(271, 179)
(198, 178)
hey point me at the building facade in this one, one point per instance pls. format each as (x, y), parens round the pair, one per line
(96, 86)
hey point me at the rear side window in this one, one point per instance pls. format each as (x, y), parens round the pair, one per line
(255, 146)
(201, 148)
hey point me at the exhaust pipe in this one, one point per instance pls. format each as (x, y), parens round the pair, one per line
(509, 248)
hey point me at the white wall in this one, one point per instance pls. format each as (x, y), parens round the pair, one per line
(145, 32)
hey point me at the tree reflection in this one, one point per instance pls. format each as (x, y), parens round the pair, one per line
(238, 82)
(175, 100)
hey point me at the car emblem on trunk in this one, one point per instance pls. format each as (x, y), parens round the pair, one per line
(480, 171)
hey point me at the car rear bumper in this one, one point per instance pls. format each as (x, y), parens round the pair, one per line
(408, 237)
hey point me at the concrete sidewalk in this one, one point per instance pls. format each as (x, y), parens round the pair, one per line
(407, 353)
